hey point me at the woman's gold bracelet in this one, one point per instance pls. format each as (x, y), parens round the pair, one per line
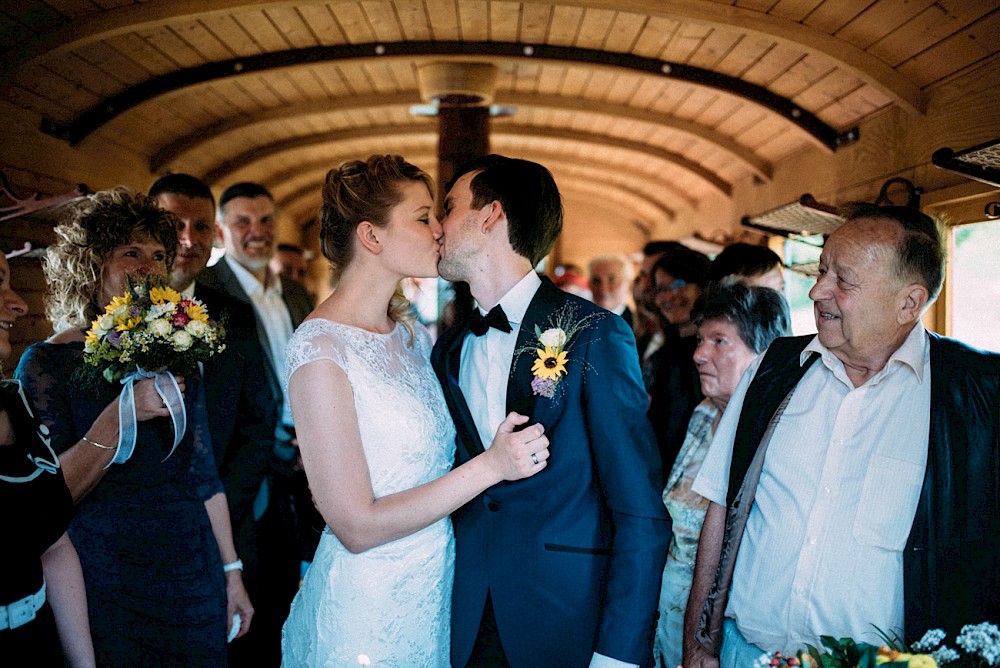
(98, 445)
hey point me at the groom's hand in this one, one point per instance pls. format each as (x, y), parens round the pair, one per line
(518, 454)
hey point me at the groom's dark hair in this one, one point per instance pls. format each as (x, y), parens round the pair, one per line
(529, 197)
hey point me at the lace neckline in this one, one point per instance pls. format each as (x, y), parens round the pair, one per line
(355, 328)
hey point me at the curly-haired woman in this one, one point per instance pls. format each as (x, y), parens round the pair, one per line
(152, 534)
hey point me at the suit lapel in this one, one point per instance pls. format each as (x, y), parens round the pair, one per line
(448, 376)
(520, 398)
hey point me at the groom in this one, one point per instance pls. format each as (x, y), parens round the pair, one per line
(562, 569)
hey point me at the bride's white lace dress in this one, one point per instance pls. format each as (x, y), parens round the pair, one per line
(391, 604)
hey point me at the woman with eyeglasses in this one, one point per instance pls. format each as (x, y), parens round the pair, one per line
(678, 280)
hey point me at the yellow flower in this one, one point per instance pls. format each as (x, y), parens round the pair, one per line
(125, 324)
(162, 295)
(93, 339)
(118, 302)
(197, 312)
(550, 364)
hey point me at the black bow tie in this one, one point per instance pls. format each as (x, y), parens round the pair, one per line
(496, 318)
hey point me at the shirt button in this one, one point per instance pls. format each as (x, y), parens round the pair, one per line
(812, 541)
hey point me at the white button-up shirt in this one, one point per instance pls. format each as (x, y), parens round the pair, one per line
(273, 314)
(822, 553)
(486, 360)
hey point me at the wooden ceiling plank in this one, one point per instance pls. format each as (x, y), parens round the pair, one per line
(935, 23)
(52, 85)
(966, 47)
(261, 30)
(880, 19)
(744, 55)
(655, 36)
(203, 41)
(112, 61)
(828, 90)
(600, 82)
(412, 16)
(232, 34)
(794, 10)
(594, 27)
(505, 20)
(328, 75)
(565, 25)
(685, 42)
(625, 31)
(288, 22)
(755, 5)
(575, 81)
(30, 17)
(86, 75)
(260, 92)
(714, 48)
(778, 60)
(383, 20)
(71, 9)
(442, 15)
(722, 108)
(624, 89)
(173, 47)
(832, 15)
(283, 87)
(473, 18)
(135, 48)
(648, 91)
(534, 23)
(304, 80)
(322, 24)
(33, 103)
(800, 76)
(353, 22)
(761, 132)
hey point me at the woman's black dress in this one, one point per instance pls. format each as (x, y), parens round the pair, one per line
(37, 508)
(155, 588)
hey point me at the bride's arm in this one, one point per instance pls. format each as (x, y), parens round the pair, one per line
(330, 442)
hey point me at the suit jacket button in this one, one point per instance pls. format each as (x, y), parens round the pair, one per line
(493, 506)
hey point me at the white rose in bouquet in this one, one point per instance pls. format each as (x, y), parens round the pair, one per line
(181, 340)
(196, 328)
(160, 327)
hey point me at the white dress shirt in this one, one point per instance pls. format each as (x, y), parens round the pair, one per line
(483, 374)
(822, 553)
(273, 314)
(486, 360)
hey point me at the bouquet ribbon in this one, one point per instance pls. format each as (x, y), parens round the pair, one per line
(166, 386)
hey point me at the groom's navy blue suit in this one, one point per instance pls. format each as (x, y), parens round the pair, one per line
(572, 557)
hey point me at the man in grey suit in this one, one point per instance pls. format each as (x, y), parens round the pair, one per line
(288, 530)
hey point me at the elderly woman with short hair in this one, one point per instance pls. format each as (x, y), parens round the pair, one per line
(152, 533)
(735, 323)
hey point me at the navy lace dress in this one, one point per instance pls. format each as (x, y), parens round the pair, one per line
(155, 588)
(37, 508)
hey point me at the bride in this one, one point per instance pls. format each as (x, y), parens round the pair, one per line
(376, 438)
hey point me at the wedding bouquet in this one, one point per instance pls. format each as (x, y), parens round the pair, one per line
(151, 328)
(151, 331)
(980, 644)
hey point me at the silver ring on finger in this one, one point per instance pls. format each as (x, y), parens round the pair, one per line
(534, 458)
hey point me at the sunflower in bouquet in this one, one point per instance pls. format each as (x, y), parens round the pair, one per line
(151, 328)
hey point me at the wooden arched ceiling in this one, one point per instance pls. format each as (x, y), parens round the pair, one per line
(652, 105)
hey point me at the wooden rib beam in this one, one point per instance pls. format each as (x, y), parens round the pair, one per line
(157, 13)
(172, 153)
(256, 154)
(97, 116)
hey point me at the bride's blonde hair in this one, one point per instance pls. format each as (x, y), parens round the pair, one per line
(358, 191)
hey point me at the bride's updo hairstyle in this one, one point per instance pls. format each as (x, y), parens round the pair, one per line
(358, 191)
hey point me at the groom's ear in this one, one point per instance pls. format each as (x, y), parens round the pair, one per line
(495, 214)
(368, 236)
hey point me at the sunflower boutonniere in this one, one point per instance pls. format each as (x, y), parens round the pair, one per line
(552, 349)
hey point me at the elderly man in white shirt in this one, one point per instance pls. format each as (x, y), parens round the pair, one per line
(847, 460)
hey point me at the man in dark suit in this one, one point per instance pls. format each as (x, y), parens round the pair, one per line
(611, 283)
(562, 569)
(289, 527)
(241, 415)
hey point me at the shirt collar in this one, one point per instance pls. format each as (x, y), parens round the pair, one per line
(515, 303)
(248, 281)
(914, 353)
(188, 292)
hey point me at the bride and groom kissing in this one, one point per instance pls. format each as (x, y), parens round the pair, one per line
(524, 429)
